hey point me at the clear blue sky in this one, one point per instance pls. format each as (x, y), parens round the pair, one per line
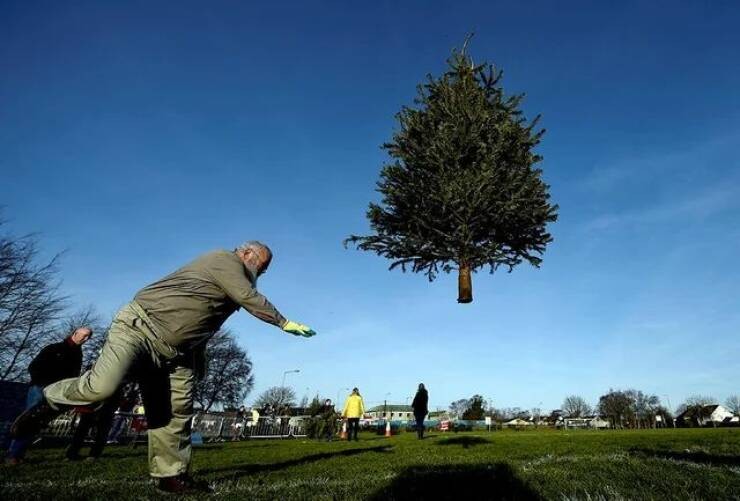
(141, 134)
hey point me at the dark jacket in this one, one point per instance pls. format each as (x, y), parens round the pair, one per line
(420, 403)
(329, 416)
(55, 362)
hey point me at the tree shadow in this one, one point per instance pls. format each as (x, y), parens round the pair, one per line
(481, 482)
(694, 457)
(234, 472)
(466, 442)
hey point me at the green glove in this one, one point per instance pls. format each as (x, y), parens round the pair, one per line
(298, 329)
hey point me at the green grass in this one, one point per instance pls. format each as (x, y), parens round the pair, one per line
(645, 464)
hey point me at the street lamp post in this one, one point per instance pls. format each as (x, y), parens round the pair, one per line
(282, 385)
(670, 409)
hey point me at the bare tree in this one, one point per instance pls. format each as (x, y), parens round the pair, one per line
(279, 398)
(536, 415)
(228, 374)
(645, 408)
(699, 400)
(458, 408)
(695, 402)
(30, 303)
(575, 406)
(733, 404)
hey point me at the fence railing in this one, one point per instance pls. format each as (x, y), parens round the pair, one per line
(212, 427)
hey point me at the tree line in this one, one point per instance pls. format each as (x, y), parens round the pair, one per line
(622, 408)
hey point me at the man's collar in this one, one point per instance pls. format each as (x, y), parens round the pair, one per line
(252, 274)
(68, 340)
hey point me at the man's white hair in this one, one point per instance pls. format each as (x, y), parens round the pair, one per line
(255, 246)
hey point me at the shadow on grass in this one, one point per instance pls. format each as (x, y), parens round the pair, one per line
(493, 481)
(694, 457)
(234, 472)
(466, 442)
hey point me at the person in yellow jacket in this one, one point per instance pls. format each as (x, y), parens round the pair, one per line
(354, 408)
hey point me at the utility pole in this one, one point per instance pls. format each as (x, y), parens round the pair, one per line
(670, 408)
(282, 385)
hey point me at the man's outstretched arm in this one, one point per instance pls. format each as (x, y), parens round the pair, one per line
(238, 287)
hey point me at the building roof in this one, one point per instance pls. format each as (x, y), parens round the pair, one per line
(517, 421)
(698, 412)
(391, 408)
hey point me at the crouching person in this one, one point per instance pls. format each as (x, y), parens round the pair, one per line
(54, 362)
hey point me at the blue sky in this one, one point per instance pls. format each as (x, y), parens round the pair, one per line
(140, 134)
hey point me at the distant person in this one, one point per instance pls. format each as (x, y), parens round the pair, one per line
(255, 420)
(354, 408)
(239, 419)
(54, 362)
(241, 413)
(129, 398)
(160, 336)
(421, 409)
(329, 418)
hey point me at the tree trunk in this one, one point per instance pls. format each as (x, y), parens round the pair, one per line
(464, 285)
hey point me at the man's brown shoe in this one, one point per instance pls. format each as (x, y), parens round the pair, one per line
(33, 420)
(182, 484)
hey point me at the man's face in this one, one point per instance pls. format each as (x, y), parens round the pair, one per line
(257, 259)
(81, 335)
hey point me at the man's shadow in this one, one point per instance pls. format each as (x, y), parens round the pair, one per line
(235, 472)
(453, 482)
(466, 442)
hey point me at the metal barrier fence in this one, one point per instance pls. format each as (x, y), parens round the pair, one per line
(212, 427)
(216, 427)
(126, 427)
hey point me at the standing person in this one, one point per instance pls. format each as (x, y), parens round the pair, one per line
(239, 420)
(54, 362)
(420, 406)
(130, 395)
(354, 408)
(329, 418)
(160, 336)
(254, 423)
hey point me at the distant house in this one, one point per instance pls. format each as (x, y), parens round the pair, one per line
(391, 412)
(594, 422)
(706, 415)
(517, 423)
(439, 415)
(555, 418)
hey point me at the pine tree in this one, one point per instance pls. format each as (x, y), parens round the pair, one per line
(462, 190)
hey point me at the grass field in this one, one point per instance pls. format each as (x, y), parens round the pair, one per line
(646, 464)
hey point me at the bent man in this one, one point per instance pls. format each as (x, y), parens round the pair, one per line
(160, 337)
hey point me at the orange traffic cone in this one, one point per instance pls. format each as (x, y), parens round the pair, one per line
(343, 435)
(387, 428)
